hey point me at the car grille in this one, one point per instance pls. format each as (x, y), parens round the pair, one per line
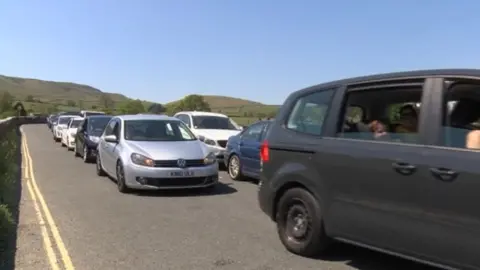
(222, 143)
(173, 163)
(180, 182)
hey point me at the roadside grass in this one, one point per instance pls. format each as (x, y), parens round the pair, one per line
(10, 183)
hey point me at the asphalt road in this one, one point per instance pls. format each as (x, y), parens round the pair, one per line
(104, 229)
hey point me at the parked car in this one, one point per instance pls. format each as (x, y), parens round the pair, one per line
(213, 129)
(154, 152)
(61, 124)
(52, 122)
(69, 133)
(242, 155)
(399, 179)
(88, 135)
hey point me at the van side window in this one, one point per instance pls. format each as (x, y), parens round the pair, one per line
(461, 118)
(309, 112)
(386, 114)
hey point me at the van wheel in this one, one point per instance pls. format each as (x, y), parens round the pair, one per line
(234, 168)
(300, 223)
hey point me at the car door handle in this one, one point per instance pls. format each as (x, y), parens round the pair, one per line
(443, 174)
(404, 168)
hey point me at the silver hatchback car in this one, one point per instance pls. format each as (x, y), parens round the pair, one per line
(154, 152)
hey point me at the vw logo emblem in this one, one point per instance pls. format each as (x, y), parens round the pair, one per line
(181, 163)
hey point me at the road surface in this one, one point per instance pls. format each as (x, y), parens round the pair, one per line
(104, 229)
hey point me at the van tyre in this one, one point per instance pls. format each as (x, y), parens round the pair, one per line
(234, 168)
(100, 171)
(300, 223)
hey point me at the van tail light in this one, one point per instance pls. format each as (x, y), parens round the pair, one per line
(264, 152)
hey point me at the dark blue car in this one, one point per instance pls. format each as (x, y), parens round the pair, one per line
(242, 157)
(88, 135)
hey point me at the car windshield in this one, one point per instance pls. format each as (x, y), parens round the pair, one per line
(63, 120)
(97, 125)
(214, 122)
(157, 130)
(75, 123)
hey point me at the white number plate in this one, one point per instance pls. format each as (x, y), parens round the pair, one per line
(181, 174)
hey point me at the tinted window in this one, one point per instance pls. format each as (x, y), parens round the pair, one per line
(214, 122)
(309, 112)
(461, 117)
(76, 123)
(392, 114)
(157, 130)
(97, 125)
(63, 120)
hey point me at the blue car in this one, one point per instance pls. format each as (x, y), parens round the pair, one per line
(242, 156)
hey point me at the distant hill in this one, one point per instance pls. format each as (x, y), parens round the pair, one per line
(236, 106)
(60, 93)
(53, 92)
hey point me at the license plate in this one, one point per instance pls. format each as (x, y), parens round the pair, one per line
(181, 174)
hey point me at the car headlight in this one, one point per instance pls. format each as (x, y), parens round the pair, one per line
(210, 159)
(207, 140)
(94, 139)
(142, 160)
(73, 133)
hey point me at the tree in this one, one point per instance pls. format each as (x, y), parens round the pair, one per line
(106, 102)
(20, 109)
(157, 108)
(132, 107)
(6, 102)
(193, 103)
(80, 104)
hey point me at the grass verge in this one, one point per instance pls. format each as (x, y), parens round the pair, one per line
(10, 184)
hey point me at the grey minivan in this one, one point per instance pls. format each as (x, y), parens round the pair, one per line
(388, 162)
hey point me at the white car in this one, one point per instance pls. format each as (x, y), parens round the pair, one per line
(69, 133)
(85, 113)
(213, 129)
(62, 123)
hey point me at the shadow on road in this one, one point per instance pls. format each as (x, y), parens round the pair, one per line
(365, 259)
(8, 249)
(219, 189)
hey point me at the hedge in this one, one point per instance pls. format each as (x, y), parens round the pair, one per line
(10, 177)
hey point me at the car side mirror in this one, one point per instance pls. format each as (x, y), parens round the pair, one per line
(111, 139)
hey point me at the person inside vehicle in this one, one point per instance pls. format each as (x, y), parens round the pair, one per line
(408, 120)
(461, 133)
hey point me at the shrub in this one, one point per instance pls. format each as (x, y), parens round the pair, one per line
(9, 170)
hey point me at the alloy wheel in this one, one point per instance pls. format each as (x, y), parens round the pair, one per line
(85, 153)
(234, 167)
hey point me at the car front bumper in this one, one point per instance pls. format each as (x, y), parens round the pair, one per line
(219, 152)
(139, 177)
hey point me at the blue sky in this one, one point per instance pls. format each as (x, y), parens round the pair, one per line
(261, 50)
